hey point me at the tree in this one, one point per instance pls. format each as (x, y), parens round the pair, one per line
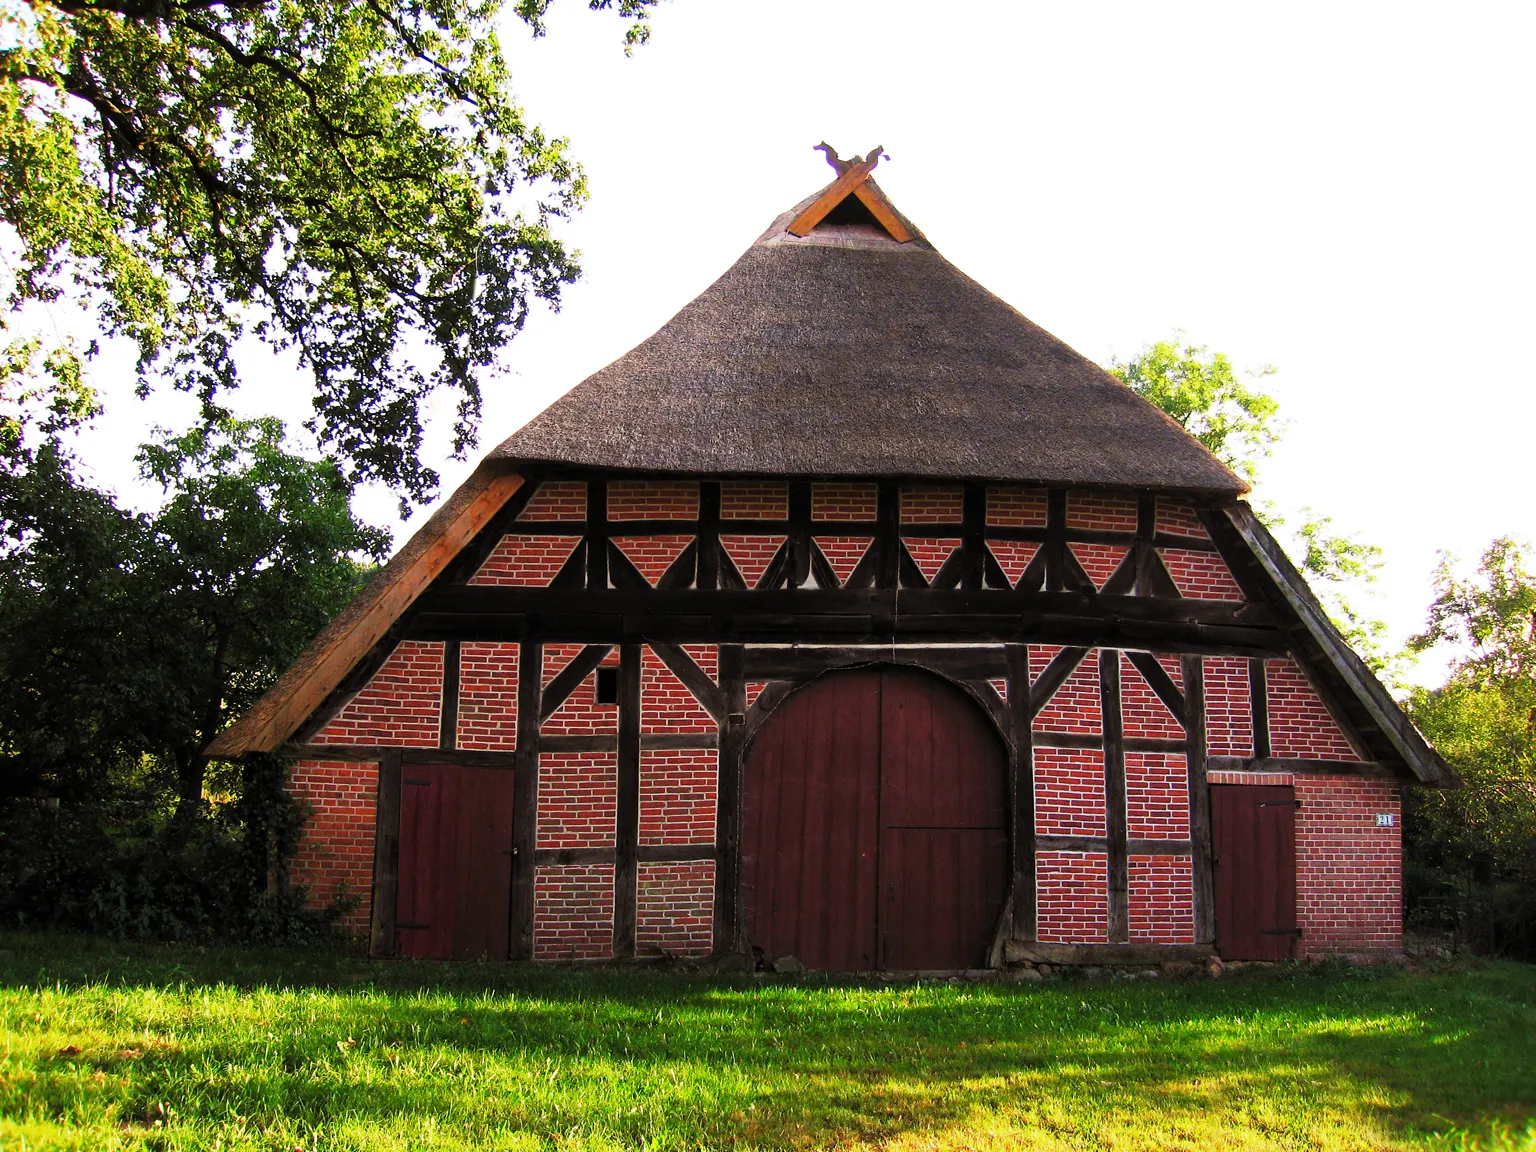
(131, 639)
(1471, 852)
(346, 179)
(1240, 425)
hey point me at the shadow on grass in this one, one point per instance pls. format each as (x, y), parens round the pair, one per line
(1336, 1059)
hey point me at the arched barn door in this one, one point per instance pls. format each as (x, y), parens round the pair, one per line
(875, 832)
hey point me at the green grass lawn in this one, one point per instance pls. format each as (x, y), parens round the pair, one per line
(111, 1045)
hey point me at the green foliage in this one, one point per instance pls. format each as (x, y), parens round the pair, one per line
(1241, 425)
(246, 1049)
(344, 179)
(1202, 391)
(127, 642)
(1471, 853)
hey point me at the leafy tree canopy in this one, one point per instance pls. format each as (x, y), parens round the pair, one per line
(130, 640)
(347, 179)
(1240, 425)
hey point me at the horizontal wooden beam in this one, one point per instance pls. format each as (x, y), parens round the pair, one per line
(1304, 766)
(1031, 952)
(645, 854)
(469, 758)
(1101, 844)
(789, 662)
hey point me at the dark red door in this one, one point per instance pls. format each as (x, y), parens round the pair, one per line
(1253, 838)
(874, 829)
(455, 865)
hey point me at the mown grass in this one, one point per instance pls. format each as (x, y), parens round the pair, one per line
(113, 1046)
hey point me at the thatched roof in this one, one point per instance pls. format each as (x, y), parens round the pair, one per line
(847, 353)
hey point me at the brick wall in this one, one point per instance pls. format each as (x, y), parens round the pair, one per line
(578, 799)
(1299, 724)
(1069, 792)
(1142, 711)
(931, 504)
(1016, 507)
(1228, 707)
(843, 501)
(1179, 519)
(653, 555)
(1349, 897)
(557, 500)
(675, 907)
(677, 796)
(525, 561)
(1156, 796)
(1098, 560)
(1013, 556)
(1105, 513)
(843, 553)
(754, 500)
(573, 912)
(653, 500)
(1162, 899)
(666, 705)
(1200, 575)
(488, 696)
(929, 553)
(335, 855)
(1075, 707)
(580, 714)
(399, 707)
(1072, 897)
(751, 555)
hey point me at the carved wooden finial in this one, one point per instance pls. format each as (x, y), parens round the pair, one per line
(841, 166)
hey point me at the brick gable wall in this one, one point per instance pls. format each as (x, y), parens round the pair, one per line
(1349, 871)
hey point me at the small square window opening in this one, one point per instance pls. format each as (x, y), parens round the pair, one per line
(607, 686)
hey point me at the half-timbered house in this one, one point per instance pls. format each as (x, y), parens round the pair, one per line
(852, 617)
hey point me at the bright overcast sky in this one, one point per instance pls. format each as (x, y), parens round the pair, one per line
(1343, 191)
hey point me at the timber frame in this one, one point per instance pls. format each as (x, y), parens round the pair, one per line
(967, 624)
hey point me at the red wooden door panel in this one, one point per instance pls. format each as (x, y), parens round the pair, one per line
(1253, 839)
(944, 853)
(809, 834)
(874, 826)
(455, 864)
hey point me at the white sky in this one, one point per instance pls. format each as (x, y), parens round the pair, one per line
(1344, 191)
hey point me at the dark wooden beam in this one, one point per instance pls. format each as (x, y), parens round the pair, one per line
(707, 576)
(1258, 694)
(677, 741)
(1159, 681)
(569, 678)
(525, 799)
(1199, 800)
(1055, 674)
(597, 535)
(973, 536)
(363, 753)
(1102, 844)
(626, 872)
(694, 678)
(645, 854)
(1021, 794)
(594, 742)
(448, 709)
(1304, 766)
(386, 857)
(887, 547)
(1119, 890)
(729, 929)
(974, 662)
(474, 554)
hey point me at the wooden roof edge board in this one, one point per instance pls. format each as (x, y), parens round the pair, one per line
(883, 210)
(834, 194)
(362, 623)
(1406, 741)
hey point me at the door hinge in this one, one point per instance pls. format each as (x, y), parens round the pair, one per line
(1280, 804)
(1280, 932)
(407, 924)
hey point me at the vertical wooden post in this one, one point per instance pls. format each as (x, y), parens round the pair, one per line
(1258, 694)
(1055, 538)
(525, 799)
(888, 536)
(1146, 552)
(448, 713)
(597, 535)
(708, 572)
(1114, 796)
(973, 536)
(799, 533)
(1199, 799)
(1021, 793)
(386, 856)
(729, 933)
(626, 856)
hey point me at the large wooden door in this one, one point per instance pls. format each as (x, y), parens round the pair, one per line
(875, 826)
(1253, 840)
(455, 863)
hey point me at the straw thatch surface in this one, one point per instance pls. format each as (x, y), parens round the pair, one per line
(846, 353)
